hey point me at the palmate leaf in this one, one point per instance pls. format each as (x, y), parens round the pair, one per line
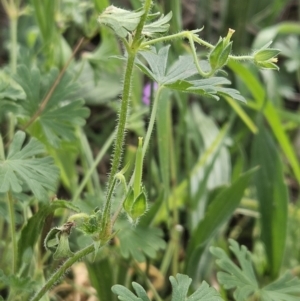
(139, 242)
(180, 286)
(176, 77)
(244, 281)
(8, 97)
(61, 115)
(21, 167)
(211, 87)
(183, 68)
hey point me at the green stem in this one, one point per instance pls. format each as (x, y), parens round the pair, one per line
(93, 167)
(62, 270)
(138, 169)
(150, 126)
(11, 211)
(120, 136)
(192, 37)
(152, 120)
(194, 54)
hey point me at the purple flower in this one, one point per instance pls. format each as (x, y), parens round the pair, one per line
(147, 92)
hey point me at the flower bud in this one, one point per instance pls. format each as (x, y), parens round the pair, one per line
(265, 57)
(219, 55)
(139, 206)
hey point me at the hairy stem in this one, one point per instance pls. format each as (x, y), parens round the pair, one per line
(120, 135)
(11, 210)
(62, 270)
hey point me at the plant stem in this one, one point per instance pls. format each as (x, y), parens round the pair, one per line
(120, 135)
(94, 165)
(11, 210)
(150, 126)
(59, 273)
(151, 121)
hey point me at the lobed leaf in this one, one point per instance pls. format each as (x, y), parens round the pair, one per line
(60, 115)
(139, 242)
(21, 167)
(180, 286)
(243, 278)
(183, 68)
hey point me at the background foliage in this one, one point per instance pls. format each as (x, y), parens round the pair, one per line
(214, 169)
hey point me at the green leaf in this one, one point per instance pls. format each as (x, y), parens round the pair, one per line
(285, 288)
(121, 21)
(60, 115)
(22, 167)
(8, 92)
(241, 278)
(124, 294)
(271, 193)
(218, 212)
(183, 68)
(180, 286)
(257, 90)
(211, 87)
(244, 281)
(139, 242)
(157, 27)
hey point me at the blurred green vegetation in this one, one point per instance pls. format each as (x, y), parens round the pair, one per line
(196, 170)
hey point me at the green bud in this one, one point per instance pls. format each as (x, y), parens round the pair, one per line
(223, 58)
(57, 241)
(139, 206)
(215, 54)
(267, 65)
(228, 37)
(266, 54)
(219, 55)
(63, 248)
(129, 200)
(265, 57)
(138, 169)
